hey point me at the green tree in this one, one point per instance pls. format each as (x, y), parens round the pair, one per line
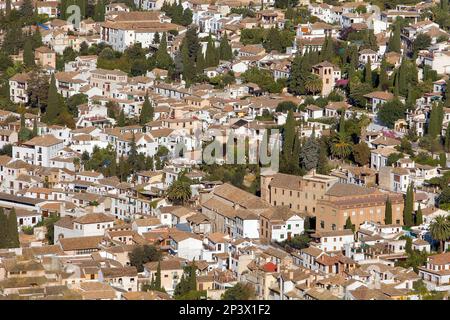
(436, 118)
(13, 232)
(361, 153)
(240, 291)
(440, 230)
(225, 51)
(290, 160)
(121, 122)
(349, 225)
(390, 112)
(322, 164)
(3, 230)
(388, 212)
(383, 83)
(146, 112)
(408, 207)
(419, 216)
(99, 11)
(143, 254)
(394, 43)
(368, 72)
(28, 55)
(447, 139)
(53, 102)
(179, 191)
(211, 58)
(162, 57)
(309, 153)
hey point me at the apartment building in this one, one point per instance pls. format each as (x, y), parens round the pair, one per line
(39, 150)
(299, 193)
(358, 203)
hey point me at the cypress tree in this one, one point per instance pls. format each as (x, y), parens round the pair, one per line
(188, 65)
(162, 58)
(226, 53)
(327, 52)
(156, 38)
(8, 7)
(349, 225)
(3, 230)
(28, 56)
(388, 212)
(146, 112)
(384, 79)
(200, 62)
(368, 73)
(158, 277)
(35, 127)
(408, 208)
(289, 156)
(211, 59)
(322, 164)
(51, 113)
(447, 139)
(419, 216)
(394, 43)
(99, 11)
(121, 121)
(443, 160)
(435, 122)
(13, 233)
(133, 156)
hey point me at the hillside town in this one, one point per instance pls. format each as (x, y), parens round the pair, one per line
(224, 150)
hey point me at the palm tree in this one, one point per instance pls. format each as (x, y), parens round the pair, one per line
(313, 84)
(341, 145)
(440, 230)
(180, 191)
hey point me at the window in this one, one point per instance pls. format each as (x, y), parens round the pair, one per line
(322, 224)
(289, 227)
(98, 226)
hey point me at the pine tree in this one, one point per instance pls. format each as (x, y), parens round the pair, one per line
(3, 230)
(388, 212)
(146, 112)
(409, 206)
(13, 233)
(419, 216)
(28, 56)
(225, 51)
(273, 40)
(53, 101)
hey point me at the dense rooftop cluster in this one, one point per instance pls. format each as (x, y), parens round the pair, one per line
(113, 185)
